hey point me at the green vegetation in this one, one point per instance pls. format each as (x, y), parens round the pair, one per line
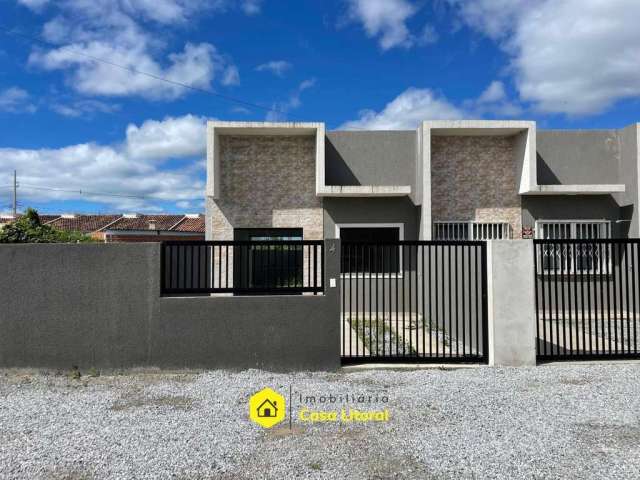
(29, 229)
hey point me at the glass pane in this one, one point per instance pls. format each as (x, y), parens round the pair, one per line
(362, 256)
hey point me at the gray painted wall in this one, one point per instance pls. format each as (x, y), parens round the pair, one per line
(587, 157)
(370, 158)
(574, 207)
(578, 157)
(629, 173)
(371, 210)
(100, 306)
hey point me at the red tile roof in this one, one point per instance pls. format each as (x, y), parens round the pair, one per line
(146, 222)
(190, 224)
(82, 223)
(94, 223)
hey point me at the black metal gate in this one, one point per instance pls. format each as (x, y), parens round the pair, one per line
(414, 301)
(587, 298)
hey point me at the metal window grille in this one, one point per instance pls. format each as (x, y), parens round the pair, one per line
(455, 230)
(560, 258)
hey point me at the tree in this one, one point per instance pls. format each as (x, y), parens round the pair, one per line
(28, 229)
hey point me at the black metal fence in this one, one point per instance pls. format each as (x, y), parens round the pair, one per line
(587, 298)
(242, 267)
(414, 301)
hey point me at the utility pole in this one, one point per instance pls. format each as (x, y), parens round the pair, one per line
(15, 193)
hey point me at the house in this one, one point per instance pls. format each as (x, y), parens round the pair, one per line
(127, 227)
(153, 228)
(267, 409)
(446, 180)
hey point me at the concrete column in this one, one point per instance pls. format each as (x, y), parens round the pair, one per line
(511, 303)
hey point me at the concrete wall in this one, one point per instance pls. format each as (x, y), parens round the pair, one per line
(370, 158)
(266, 182)
(579, 157)
(475, 178)
(584, 157)
(100, 306)
(573, 207)
(511, 303)
(371, 210)
(629, 167)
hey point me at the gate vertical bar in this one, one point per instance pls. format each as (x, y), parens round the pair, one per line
(485, 336)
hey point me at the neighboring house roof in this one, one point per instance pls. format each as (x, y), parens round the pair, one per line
(82, 223)
(190, 224)
(146, 222)
(117, 222)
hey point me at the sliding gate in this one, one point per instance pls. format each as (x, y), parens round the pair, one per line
(587, 298)
(414, 301)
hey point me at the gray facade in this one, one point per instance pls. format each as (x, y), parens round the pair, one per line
(587, 157)
(480, 173)
(370, 158)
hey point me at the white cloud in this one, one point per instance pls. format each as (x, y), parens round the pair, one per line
(384, 19)
(136, 167)
(79, 108)
(428, 35)
(495, 92)
(195, 66)
(414, 105)
(277, 67)
(279, 110)
(251, 7)
(86, 30)
(16, 100)
(170, 138)
(406, 111)
(35, 5)
(576, 57)
(493, 101)
(231, 76)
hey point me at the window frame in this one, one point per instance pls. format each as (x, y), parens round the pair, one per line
(573, 228)
(399, 226)
(456, 225)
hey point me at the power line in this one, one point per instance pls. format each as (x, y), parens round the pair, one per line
(87, 192)
(222, 96)
(141, 72)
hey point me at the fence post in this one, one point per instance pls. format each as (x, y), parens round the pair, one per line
(511, 303)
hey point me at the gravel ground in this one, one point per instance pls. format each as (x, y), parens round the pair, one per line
(564, 421)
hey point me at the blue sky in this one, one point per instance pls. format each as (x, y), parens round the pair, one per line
(70, 123)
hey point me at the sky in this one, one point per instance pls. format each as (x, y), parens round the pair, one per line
(103, 103)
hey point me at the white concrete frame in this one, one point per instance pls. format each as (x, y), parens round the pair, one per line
(525, 129)
(399, 226)
(216, 128)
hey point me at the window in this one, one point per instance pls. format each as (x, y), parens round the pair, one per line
(265, 266)
(573, 229)
(371, 249)
(569, 258)
(471, 230)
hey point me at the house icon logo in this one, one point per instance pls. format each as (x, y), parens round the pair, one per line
(267, 408)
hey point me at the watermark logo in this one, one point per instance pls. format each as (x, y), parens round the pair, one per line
(267, 408)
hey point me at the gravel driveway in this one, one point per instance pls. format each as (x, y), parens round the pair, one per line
(563, 421)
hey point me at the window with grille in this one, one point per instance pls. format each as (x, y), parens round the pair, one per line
(568, 258)
(471, 231)
(370, 250)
